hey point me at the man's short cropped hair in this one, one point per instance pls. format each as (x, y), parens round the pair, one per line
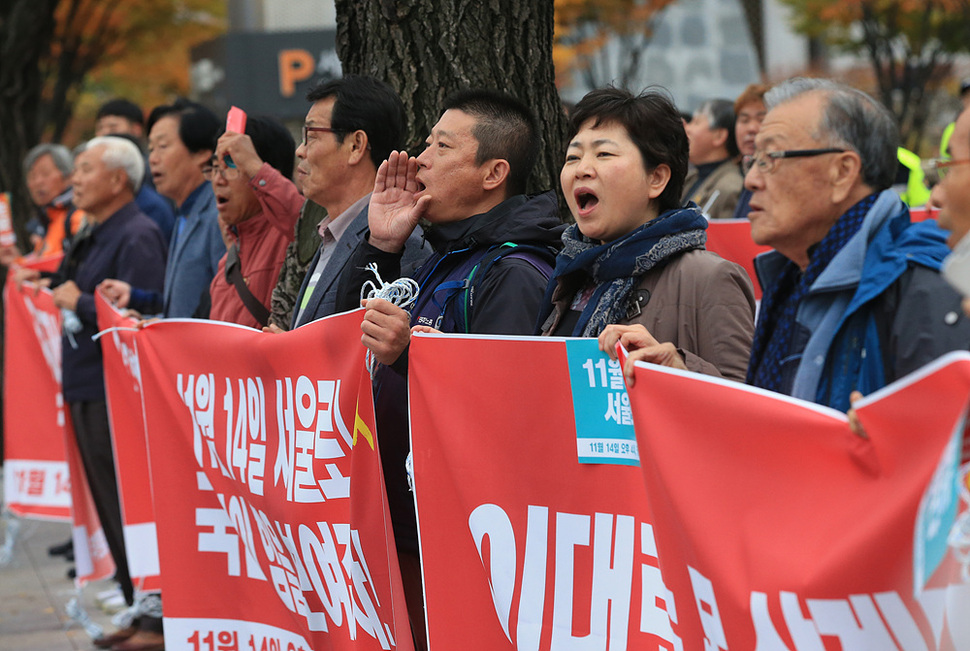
(720, 115)
(122, 108)
(61, 155)
(366, 104)
(505, 128)
(198, 126)
(273, 142)
(121, 153)
(652, 122)
(851, 119)
(753, 93)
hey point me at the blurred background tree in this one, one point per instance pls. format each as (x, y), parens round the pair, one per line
(909, 44)
(61, 58)
(602, 41)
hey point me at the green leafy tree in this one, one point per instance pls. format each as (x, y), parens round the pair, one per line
(909, 44)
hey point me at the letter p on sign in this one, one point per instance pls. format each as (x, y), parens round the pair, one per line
(295, 66)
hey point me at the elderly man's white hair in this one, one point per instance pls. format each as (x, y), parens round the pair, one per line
(851, 119)
(121, 153)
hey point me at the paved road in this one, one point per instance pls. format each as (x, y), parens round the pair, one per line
(34, 591)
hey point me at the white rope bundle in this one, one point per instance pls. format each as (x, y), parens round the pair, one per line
(403, 292)
(77, 613)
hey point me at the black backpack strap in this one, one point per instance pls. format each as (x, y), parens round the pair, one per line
(540, 257)
(234, 276)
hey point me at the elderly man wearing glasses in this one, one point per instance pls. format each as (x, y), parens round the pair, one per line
(258, 207)
(852, 298)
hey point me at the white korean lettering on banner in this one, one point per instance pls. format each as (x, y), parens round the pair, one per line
(328, 563)
(608, 374)
(613, 544)
(246, 431)
(311, 428)
(198, 394)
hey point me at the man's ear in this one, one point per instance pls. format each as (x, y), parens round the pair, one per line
(845, 174)
(720, 137)
(119, 181)
(359, 146)
(496, 173)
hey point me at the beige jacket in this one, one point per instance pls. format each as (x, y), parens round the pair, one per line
(726, 180)
(699, 302)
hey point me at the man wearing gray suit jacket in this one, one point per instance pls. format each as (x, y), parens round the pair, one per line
(353, 125)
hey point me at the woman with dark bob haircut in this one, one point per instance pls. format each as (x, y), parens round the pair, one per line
(633, 267)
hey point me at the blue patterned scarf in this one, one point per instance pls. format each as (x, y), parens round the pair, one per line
(779, 303)
(615, 266)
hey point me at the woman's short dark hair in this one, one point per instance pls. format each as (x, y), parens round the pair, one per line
(198, 126)
(654, 125)
(273, 142)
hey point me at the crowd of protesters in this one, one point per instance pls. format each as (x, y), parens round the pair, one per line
(222, 225)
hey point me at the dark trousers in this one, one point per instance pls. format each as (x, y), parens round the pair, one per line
(94, 442)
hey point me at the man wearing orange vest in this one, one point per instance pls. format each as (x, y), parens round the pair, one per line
(48, 170)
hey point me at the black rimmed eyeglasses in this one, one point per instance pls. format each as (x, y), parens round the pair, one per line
(766, 161)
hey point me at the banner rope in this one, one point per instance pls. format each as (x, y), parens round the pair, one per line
(78, 614)
(12, 526)
(146, 604)
(402, 292)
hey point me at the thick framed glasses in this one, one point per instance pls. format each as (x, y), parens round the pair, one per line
(766, 161)
(210, 172)
(307, 130)
(936, 169)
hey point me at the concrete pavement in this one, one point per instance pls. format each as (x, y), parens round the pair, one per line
(35, 590)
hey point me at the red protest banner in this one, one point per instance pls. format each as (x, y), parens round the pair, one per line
(92, 557)
(775, 526)
(778, 528)
(36, 421)
(731, 239)
(263, 460)
(122, 380)
(523, 546)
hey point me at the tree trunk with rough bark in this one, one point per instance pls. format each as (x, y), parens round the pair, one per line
(25, 32)
(427, 49)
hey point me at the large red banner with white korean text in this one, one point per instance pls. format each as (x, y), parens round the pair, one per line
(122, 381)
(776, 528)
(36, 420)
(272, 519)
(522, 545)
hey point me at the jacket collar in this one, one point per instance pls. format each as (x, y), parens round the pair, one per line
(473, 231)
(845, 269)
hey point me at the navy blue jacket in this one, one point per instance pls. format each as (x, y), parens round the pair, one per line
(508, 302)
(128, 246)
(879, 311)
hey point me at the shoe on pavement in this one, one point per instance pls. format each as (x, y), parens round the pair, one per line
(61, 549)
(108, 641)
